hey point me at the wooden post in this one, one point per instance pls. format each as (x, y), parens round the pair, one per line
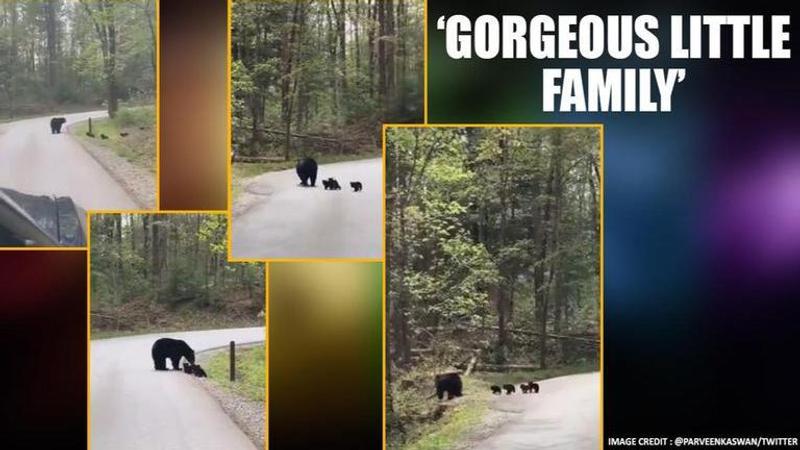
(233, 361)
(90, 125)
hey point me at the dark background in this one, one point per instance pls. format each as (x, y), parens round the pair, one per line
(702, 223)
(43, 343)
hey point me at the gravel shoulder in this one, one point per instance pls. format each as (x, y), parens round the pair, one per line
(248, 414)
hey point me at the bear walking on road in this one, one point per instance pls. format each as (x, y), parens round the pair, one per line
(56, 123)
(172, 349)
(496, 389)
(356, 185)
(307, 171)
(509, 388)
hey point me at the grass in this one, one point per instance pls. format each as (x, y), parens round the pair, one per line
(138, 147)
(457, 422)
(250, 369)
(243, 171)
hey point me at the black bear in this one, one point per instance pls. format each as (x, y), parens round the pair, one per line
(533, 387)
(450, 383)
(525, 388)
(188, 368)
(356, 185)
(509, 388)
(103, 136)
(56, 123)
(198, 371)
(331, 184)
(496, 389)
(307, 171)
(172, 349)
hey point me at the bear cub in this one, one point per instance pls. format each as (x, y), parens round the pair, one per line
(331, 184)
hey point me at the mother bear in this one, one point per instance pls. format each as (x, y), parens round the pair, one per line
(172, 349)
(307, 171)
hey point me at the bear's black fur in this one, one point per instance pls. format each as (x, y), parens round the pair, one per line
(356, 185)
(188, 368)
(509, 388)
(533, 387)
(331, 184)
(56, 123)
(450, 383)
(307, 171)
(525, 388)
(172, 349)
(496, 390)
(198, 371)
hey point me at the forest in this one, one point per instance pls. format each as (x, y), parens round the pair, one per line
(319, 77)
(167, 271)
(493, 238)
(61, 55)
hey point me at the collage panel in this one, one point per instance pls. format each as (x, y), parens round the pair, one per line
(494, 306)
(77, 116)
(312, 84)
(177, 353)
(326, 355)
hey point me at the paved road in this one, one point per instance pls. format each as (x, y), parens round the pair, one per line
(563, 416)
(134, 407)
(296, 222)
(34, 161)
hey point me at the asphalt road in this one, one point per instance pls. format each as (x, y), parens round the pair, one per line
(296, 222)
(135, 407)
(564, 415)
(34, 161)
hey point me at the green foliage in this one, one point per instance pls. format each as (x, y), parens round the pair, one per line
(319, 69)
(52, 59)
(146, 265)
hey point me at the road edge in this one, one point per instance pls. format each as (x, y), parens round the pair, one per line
(229, 400)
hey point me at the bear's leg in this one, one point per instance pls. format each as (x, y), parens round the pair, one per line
(313, 179)
(176, 362)
(439, 392)
(161, 364)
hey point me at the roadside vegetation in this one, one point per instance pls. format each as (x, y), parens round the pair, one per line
(131, 135)
(250, 370)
